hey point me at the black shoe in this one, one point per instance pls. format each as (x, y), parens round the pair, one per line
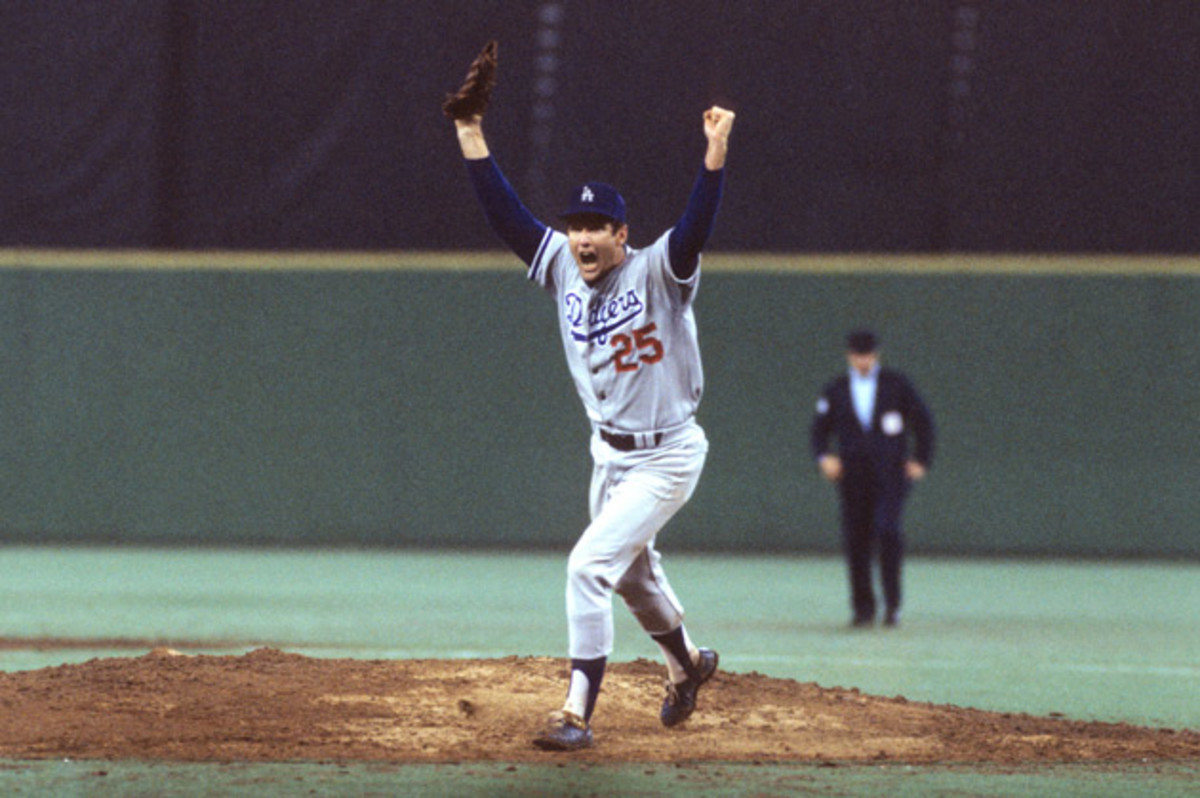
(862, 622)
(892, 618)
(564, 732)
(680, 702)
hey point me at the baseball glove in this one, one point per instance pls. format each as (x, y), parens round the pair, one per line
(476, 92)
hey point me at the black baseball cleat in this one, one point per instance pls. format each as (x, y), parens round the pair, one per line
(680, 702)
(564, 731)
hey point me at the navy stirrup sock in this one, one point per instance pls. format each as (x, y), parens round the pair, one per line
(593, 669)
(673, 642)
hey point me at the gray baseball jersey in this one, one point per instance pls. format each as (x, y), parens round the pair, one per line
(630, 340)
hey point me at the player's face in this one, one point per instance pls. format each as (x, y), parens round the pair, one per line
(598, 245)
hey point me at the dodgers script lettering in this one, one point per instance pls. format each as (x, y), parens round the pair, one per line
(601, 317)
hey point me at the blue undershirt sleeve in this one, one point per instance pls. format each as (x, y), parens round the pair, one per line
(508, 216)
(694, 227)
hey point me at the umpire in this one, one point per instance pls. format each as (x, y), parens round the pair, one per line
(872, 411)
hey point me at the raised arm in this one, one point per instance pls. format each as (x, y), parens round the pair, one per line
(692, 230)
(505, 212)
(718, 123)
(517, 227)
(470, 138)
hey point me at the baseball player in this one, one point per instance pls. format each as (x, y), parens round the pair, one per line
(629, 334)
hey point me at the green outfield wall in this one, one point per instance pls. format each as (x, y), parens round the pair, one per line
(390, 399)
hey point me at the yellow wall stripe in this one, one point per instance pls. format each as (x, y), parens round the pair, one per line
(497, 260)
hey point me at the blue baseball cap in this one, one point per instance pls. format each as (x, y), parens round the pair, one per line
(596, 198)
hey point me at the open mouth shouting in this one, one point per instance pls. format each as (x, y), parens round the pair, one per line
(597, 244)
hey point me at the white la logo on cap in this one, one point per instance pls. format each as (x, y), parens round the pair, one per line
(587, 195)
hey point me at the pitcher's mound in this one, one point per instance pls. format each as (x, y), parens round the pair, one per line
(268, 705)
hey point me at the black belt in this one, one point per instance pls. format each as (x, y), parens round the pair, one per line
(627, 443)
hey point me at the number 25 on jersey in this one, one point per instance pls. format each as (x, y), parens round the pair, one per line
(641, 347)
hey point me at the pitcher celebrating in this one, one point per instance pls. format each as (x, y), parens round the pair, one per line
(629, 333)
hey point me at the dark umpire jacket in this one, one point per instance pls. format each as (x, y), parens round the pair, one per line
(881, 451)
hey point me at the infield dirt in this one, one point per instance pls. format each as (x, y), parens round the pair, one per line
(269, 705)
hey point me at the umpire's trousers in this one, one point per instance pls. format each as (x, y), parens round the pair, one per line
(871, 509)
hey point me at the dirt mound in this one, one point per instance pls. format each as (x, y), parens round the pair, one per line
(269, 705)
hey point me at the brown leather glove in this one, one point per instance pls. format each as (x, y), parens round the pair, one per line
(473, 96)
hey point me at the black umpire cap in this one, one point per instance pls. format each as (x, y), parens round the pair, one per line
(862, 342)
